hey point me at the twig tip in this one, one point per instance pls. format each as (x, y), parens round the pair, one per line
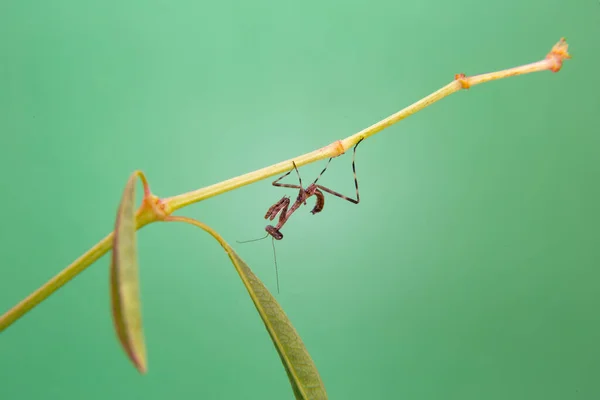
(558, 54)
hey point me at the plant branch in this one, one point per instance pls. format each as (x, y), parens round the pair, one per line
(150, 211)
(154, 209)
(552, 62)
(56, 282)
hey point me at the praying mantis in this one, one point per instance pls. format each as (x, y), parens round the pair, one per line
(283, 209)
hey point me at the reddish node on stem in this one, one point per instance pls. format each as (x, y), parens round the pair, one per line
(157, 205)
(339, 147)
(462, 78)
(558, 54)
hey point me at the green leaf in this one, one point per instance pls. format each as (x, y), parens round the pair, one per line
(124, 280)
(299, 366)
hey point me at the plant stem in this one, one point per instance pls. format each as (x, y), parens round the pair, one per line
(552, 62)
(154, 209)
(56, 282)
(146, 214)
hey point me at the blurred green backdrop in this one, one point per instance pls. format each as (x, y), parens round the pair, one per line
(468, 271)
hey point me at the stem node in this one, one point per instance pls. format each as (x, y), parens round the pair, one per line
(462, 79)
(558, 54)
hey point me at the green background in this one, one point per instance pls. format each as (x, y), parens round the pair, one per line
(468, 271)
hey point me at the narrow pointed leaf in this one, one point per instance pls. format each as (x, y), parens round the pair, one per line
(299, 366)
(124, 280)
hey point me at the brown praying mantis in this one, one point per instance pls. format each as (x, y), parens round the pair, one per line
(282, 207)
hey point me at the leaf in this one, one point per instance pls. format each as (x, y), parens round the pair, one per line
(124, 280)
(299, 366)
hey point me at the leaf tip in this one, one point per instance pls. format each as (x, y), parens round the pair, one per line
(141, 366)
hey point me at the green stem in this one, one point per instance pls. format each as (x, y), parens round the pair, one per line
(154, 209)
(552, 62)
(57, 282)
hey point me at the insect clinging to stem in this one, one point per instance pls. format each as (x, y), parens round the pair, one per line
(281, 206)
